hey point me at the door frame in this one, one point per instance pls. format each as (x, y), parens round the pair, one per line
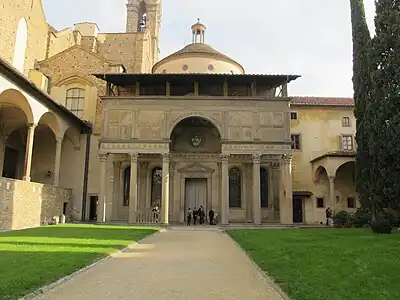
(298, 198)
(206, 187)
(194, 171)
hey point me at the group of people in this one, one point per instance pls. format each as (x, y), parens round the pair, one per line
(199, 215)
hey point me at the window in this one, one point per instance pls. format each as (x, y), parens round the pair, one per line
(127, 185)
(346, 122)
(351, 203)
(347, 142)
(235, 190)
(295, 141)
(264, 187)
(75, 101)
(293, 115)
(320, 202)
(156, 186)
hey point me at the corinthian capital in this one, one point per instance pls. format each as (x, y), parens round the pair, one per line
(256, 158)
(166, 157)
(134, 157)
(224, 158)
(103, 157)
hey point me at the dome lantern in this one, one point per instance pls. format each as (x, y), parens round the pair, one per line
(198, 31)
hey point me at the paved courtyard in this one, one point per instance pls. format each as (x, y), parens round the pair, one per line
(179, 263)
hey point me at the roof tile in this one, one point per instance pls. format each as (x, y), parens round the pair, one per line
(322, 101)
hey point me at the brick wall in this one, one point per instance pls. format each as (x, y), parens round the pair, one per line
(28, 204)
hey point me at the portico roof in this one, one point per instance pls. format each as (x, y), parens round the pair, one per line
(28, 86)
(335, 154)
(125, 79)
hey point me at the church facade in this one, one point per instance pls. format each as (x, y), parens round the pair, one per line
(190, 130)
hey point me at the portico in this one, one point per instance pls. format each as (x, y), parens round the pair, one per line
(216, 170)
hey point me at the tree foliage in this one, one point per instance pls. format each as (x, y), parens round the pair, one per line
(384, 144)
(376, 83)
(362, 95)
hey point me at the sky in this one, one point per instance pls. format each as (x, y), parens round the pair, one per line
(311, 38)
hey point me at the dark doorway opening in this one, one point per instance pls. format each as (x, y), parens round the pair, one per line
(65, 204)
(93, 208)
(298, 209)
(10, 163)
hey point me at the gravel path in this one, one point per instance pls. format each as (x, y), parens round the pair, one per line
(177, 264)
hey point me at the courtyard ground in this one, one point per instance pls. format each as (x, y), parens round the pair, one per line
(35, 257)
(334, 264)
(180, 263)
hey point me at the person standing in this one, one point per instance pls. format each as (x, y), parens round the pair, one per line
(195, 214)
(328, 215)
(211, 216)
(189, 217)
(202, 215)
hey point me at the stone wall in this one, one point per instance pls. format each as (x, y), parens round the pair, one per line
(27, 204)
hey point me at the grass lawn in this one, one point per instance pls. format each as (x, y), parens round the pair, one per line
(35, 257)
(334, 264)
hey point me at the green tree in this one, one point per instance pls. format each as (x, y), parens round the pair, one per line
(384, 109)
(362, 94)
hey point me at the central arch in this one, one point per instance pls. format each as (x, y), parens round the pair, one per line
(214, 122)
(195, 134)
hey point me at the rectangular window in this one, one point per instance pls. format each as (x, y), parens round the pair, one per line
(346, 122)
(320, 202)
(293, 115)
(351, 203)
(295, 141)
(75, 101)
(347, 142)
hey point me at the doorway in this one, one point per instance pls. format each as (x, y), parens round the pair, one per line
(93, 208)
(195, 193)
(10, 163)
(298, 209)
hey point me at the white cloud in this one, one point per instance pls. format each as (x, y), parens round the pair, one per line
(307, 37)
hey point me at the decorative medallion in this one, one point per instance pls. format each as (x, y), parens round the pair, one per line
(210, 67)
(185, 67)
(196, 141)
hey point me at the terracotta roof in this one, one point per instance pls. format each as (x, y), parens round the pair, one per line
(322, 101)
(199, 49)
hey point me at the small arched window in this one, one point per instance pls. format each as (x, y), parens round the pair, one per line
(75, 101)
(235, 190)
(127, 185)
(264, 187)
(156, 186)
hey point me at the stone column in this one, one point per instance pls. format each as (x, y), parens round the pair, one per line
(133, 190)
(28, 152)
(286, 202)
(256, 189)
(116, 189)
(101, 205)
(332, 200)
(225, 189)
(57, 161)
(165, 190)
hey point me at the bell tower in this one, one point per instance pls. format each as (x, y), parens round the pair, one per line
(144, 15)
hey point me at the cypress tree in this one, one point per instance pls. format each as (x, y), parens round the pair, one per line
(384, 110)
(362, 95)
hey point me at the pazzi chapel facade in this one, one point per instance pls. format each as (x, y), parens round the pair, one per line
(94, 126)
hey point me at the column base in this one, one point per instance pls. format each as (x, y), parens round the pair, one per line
(132, 218)
(26, 178)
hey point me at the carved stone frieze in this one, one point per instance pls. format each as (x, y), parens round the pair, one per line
(135, 147)
(254, 148)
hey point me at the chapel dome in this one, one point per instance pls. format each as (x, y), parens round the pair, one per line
(198, 57)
